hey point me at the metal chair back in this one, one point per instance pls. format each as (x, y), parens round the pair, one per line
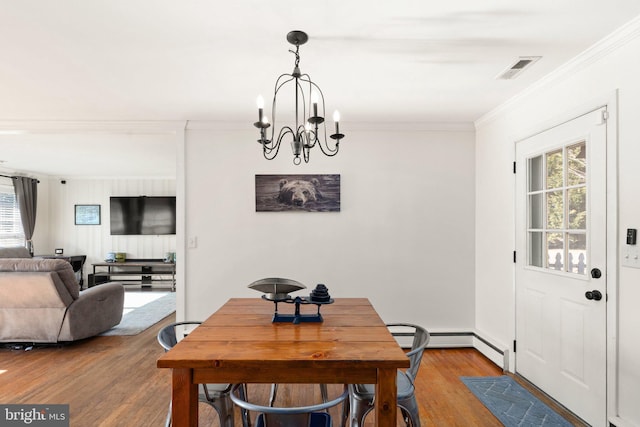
(167, 336)
(215, 395)
(421, 339)
(299, 416)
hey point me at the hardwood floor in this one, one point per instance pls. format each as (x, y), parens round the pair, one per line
(113, 381)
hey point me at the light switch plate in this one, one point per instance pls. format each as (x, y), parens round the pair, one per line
(630, 256)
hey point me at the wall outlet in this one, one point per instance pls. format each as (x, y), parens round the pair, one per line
(192, 242)
(630, 256)
(59, 251)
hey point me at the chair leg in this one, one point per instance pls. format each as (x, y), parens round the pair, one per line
(168, 421)
(358, 409)
(246, 420)
(324, 393)
(410, 411)
(406, 417)
(345, 410)
(224, 407)
(272, 394)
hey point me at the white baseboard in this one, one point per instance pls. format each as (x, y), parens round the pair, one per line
(439, 339)
(499, 356)
(451, 340)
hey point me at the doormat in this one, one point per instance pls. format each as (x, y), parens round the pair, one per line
(511, 403)
(145, 316)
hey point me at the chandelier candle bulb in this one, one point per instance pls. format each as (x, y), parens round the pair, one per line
(260, 102)
(314, 100)
(336, 118)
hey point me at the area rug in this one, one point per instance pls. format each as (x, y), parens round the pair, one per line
(511, 403)
(146, 315)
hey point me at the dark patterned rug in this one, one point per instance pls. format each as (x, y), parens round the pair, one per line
(511, 403)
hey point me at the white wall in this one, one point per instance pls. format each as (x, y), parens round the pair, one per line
(615, 64)
(95, 240)
(404, 237)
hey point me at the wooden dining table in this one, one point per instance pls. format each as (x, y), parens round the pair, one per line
(239, 343)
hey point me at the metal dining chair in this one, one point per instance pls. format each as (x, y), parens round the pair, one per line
(274, 392)
(361, 396)
(325, 398)
(299, 416)
(215, 395)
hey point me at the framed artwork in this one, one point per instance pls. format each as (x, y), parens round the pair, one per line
(305, 193)
(87, 214)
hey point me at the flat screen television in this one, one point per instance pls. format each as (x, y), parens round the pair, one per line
(143, 215)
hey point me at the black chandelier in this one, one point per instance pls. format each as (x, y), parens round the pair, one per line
(310, 128)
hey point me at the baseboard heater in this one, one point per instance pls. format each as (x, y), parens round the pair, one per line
(494, 353)
(446, 337)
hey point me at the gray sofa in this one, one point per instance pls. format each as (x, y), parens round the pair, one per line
(40, 302)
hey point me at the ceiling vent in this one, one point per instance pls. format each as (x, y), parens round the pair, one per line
(518, 67)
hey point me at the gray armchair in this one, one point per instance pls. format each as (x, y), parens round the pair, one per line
(40, 302)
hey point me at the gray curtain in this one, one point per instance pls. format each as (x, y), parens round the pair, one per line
(27, 195)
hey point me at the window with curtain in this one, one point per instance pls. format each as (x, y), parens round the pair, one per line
(11, 233)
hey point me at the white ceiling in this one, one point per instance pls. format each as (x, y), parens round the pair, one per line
(157, 60)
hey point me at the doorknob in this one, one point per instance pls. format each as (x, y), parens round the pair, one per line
(593, 295)
(596, 273)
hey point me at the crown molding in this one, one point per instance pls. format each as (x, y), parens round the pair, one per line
(23, 127)
(604, 47)
(219, 125)
(398, 126)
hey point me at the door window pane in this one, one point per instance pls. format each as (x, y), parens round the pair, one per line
(535, 173)
(577, 253)
(555, 210)
(536, 251)
(577, 199)
(577, 164)
(555, 251)
(554, 169)
(536, 211)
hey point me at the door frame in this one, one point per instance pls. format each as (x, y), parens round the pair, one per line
(610, 101)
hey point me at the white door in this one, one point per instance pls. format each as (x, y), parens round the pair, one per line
(560, 268)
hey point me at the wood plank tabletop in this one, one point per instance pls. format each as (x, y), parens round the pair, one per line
(242, 332)
(288, 333)
(240, 344)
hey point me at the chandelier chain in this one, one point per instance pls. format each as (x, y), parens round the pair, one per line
(297, 54)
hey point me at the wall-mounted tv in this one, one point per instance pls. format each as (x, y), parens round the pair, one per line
(143, 215)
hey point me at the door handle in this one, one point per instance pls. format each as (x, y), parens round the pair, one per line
(593, 295)
(596, 273)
